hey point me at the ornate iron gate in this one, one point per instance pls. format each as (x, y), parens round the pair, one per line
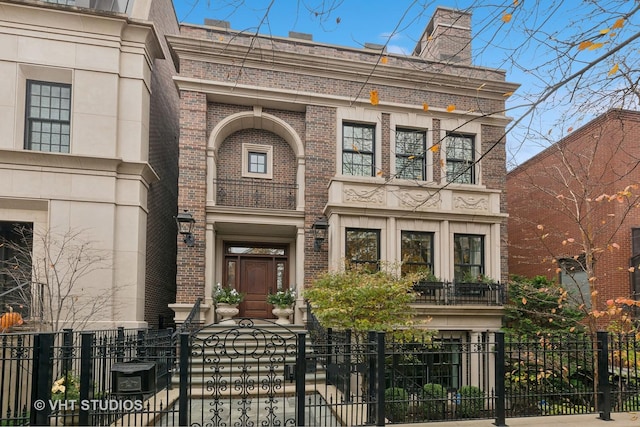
(243, 374)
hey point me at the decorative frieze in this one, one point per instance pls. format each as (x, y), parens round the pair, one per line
(473, 203)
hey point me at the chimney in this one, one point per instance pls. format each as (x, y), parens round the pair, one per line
(447, 37)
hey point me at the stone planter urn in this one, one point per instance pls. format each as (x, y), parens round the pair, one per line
(283, 314)
(226, 312)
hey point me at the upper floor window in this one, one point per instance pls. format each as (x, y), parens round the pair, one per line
(358, 143)
(411, 148)
(468, 256)
(417, 251)
(257, 161)
(460, 158)
(48, 116)
(363, 248)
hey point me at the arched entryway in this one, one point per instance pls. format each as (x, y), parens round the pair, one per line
(256, 270)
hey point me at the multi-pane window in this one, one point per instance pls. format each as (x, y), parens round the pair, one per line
(410, 154)
(460, 158)
(468, 256)
(416, 249)
(363, 248)
(257, 162)
(48, 116)
(358, 143)
(574, 278)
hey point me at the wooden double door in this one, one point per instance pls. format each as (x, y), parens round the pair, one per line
(256, 271)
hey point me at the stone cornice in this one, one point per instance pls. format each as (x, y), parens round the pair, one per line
(411, 72)
(298, 100)
(77, 164)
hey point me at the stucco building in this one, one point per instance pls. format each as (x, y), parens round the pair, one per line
(401, 156)
(585, 184)
(88, 145)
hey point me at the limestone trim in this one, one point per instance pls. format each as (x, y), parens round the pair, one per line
(407, 71)
(233, 93)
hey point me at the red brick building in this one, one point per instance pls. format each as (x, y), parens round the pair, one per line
(279, 136)
(558, 194)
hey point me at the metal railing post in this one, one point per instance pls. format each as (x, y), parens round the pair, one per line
(86, 375)
(41, 380)
(301, 370)
(183, 397)
(604, 393)
(380, 383)
(500, 384)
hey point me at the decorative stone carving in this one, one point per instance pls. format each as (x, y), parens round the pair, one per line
(365, 195)
(415, 199)
(472, 203)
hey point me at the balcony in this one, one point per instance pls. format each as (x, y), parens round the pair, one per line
(117, 6)
(255, 193)
(449, 293)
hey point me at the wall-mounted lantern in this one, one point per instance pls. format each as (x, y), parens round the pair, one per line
(319, 227)
(185, 222)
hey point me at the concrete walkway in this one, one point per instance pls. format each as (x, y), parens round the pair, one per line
(622, 419)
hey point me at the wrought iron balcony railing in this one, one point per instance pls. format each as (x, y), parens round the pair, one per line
(255, 193)
(451, 293)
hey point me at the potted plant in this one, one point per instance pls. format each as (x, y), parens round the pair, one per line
(227, 300)
(282, 302)
(473, 284)
(427, 283)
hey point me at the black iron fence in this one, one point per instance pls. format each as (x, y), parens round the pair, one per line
(311, 377)
(256, 193)
(87, 378)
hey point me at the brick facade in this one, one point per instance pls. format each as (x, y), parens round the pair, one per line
(293, 95)
(603, 156)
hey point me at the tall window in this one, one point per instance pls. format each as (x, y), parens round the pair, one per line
(468, 256)
(358, 143)
(573, 277)
(417, 251)
(460, 158)
(48, 116)
(363, 248)
(411, 147)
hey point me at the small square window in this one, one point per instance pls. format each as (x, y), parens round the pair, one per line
(257, 161)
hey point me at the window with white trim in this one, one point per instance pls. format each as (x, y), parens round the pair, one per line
(257, 161)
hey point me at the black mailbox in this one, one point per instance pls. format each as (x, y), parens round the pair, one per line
(133, 378)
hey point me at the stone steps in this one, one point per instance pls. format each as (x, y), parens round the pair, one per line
(259, 354)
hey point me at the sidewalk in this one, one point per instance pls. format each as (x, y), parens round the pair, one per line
(619, 419)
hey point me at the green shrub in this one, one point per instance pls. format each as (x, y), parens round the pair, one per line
(471, 402)
(396, 404)
(434, 401)
(632, 403)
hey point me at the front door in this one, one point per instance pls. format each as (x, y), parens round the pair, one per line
(256, 271)
(255, 284)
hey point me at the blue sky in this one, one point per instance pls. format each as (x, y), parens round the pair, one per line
(496, 44)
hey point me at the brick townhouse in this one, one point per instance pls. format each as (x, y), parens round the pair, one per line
(89, 144)
(599, 158)
(280, 143)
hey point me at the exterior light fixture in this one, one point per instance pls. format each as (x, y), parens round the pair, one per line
(319, 227)
(185, 222)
